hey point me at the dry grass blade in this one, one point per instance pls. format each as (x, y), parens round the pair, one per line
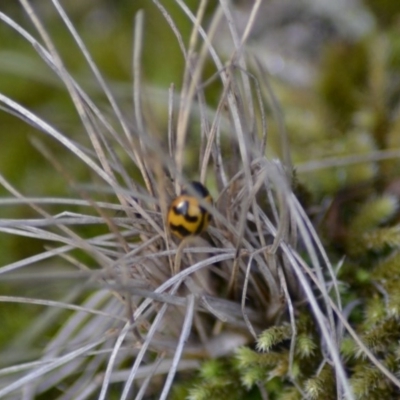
(185, 332)
(39, 372)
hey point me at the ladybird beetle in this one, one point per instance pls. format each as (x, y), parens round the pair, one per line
(186, 216)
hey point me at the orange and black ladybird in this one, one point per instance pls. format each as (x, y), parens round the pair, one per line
(186, 216)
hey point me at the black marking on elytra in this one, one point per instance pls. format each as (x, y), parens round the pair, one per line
(192, 219)
(201, 225)
(180, 229)
(182, 209)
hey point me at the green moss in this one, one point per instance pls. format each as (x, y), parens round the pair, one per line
(343, 80)
(386, 11)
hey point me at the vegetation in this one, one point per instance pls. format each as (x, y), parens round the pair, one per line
(293, 291)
